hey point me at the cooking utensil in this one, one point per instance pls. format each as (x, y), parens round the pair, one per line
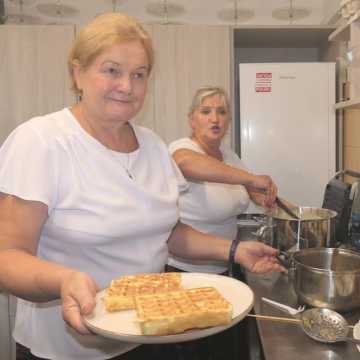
(322, 325)
(287, 308)
(286, 208)
(316, 228)
(326, 277)
(326, 326)
(275, 318)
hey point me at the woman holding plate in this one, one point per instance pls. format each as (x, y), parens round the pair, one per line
(86, 196)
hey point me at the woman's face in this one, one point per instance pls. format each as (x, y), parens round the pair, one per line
(114, 85)
(210, 120)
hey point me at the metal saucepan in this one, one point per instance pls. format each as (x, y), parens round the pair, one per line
(326, 277)
(316, 228)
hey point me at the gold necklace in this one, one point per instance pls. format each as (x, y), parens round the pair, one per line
(127, 168)
(93, 131)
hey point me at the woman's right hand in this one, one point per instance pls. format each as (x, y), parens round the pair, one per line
(266, 187)
(78, 292)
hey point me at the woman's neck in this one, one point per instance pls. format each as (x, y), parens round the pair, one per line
(115, 136)
(211, 149)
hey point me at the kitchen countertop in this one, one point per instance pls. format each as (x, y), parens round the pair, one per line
(281, 340)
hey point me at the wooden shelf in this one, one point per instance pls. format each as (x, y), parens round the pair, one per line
(342, 33)
(349, 104)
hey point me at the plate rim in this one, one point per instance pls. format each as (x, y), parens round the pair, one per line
(181, 337)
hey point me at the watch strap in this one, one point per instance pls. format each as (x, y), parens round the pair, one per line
(231, 262)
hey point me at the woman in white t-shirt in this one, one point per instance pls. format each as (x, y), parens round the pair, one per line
(86, 196)
(220, 187)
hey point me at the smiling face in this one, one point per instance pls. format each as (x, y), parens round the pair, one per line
(210, 120)
(114, 85)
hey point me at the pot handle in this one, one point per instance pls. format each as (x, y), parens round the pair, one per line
(261, 232)
(285, 259)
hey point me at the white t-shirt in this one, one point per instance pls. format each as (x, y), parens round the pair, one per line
(100, 221)
(210, 207)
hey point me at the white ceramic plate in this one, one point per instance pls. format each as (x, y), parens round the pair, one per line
(356, 333)
(121, 325)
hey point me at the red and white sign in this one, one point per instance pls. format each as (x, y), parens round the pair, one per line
(263, 82)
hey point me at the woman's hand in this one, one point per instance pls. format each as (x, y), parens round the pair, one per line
(258, 257)
(78, 292)
(263, 191)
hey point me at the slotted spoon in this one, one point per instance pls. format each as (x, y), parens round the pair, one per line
(326, 326)
(320, 324)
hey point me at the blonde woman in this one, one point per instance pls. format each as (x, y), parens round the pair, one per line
(98, 201)
(220, 186)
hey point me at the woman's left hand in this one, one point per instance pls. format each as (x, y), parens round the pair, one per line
(258, 257)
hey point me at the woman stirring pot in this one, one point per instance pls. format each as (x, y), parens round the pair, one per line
(220, 187)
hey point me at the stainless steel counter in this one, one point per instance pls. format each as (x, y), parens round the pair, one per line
(282, 341)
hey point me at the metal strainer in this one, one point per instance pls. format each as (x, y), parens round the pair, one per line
(326, 326)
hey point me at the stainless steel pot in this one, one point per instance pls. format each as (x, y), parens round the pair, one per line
(316, 228)
(327, 277)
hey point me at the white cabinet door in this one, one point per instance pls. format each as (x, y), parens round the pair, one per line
(7, 345)
(186, 57)
(146, 115)
(34, 81)
(33, 72)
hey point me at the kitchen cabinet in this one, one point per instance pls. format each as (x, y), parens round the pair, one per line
(7, 345)
(33, 72)
(186, 58)
(349, 32)
(342, 33)
(349, 104)
(34, 80)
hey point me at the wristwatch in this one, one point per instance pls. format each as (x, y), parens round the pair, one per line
(231, 262)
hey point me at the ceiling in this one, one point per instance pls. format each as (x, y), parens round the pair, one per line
(234, 12)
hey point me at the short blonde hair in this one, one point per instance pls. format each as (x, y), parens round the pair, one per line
(205, 92)
(101, 33)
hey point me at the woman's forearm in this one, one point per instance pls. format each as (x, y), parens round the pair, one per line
(196, 166)
(189, 243)
(29, 277)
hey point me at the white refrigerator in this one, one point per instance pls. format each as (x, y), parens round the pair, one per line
(287, 125)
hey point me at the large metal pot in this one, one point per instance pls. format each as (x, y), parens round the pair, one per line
(316, 228)
(327, 277)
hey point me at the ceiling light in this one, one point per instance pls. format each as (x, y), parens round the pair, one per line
(165, 10)
(115, 4)
(57, 9)
(291, 13)
(23, 2)
(230, 15)
(235, 14)
(21, 19)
